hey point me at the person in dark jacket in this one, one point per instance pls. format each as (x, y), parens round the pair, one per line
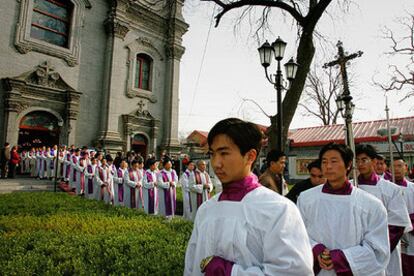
(13, 162)
(4, 159)
(316, 178)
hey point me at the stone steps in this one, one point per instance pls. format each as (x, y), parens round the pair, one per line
(21, 184)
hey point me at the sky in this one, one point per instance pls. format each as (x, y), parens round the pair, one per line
(221, 67)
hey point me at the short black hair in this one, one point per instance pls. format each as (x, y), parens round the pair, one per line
(346, 153)
(369, 150)
(166, 159)
(133, 162)
(109, 158)
(245, 135)
(151, 162)
(274, 155)
(380, 157)
(314, 164)
(139, 159)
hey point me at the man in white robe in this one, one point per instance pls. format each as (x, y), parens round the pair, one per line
(133, 182)
(61, 159)
(104, 183)
(200, 187)
(247, 229)
(166, 182)
(119, 183)
(381, 168)
(392, 198)
(185, 179)
(43, 163)
(149, 185)
(73, 176)
(347, 227)
(80, 168)
(32, 157)
(407, 241)
(90, 190)
(66, 165)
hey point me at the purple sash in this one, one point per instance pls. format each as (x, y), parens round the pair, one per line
(90, 184)
(52, 163)
(120, 187)
(67, 166)
(151, 194)
(75, 161)
(167, 195)
(132, 190)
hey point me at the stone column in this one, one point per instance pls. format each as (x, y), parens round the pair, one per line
(12, 108)
(110, 137)
(72, 111)
(174, 51)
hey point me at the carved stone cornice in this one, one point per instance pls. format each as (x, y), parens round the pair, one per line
(116, 27)
(174, 51)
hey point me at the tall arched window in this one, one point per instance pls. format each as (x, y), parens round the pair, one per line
(51, 20)
(143, 72)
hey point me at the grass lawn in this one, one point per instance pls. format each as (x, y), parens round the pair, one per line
(57, 234)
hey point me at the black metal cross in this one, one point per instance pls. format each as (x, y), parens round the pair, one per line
(341, 61)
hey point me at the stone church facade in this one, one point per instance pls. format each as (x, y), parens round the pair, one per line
(100, 73)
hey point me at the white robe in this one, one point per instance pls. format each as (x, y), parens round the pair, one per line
(73, 177)
(199, 194)
(185, 187)
(103, 176)
(89, 181)
(32, 156)
(263, 234)
(49, 159)
(391, 196)
(66, 166)
(131, 179)
(166, 192)
(408, 238)
(80, 167)
(149, 189)
(118, 184)
(355, 224)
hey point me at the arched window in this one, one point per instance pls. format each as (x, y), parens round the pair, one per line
(143, 72)
(51, 21)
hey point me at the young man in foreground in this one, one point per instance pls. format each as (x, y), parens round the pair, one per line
(246, 229)
(347, 226)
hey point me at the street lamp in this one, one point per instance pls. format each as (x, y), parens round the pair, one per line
(401, 141)
(60, 124)
(346, 108)
(266, 53)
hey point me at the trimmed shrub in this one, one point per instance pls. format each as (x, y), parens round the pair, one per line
(57, 234)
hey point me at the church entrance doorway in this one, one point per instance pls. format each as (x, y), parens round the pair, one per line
(38, 129)
(139, 144)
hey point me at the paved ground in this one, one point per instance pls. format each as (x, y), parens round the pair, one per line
(25, 184)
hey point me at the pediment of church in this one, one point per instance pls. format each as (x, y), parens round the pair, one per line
(45, 76)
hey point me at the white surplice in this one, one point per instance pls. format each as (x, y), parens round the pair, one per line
(263, 234)
(166, 192)
(198, 193)
(355, 224)
(391, 196)
(149, 189)
(408, 238)
(185, 187)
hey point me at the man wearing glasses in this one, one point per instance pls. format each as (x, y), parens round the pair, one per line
(392, 198)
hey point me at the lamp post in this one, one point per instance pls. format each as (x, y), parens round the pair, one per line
(266, 52)
(346, 107)
(401, 141)
(60, 124)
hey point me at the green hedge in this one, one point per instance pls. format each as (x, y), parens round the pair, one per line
(58, 234)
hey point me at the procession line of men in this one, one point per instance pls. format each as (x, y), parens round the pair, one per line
(94, 176)
(336, 229)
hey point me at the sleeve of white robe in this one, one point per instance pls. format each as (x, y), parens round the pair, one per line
(88, 174)
(128, 181)
(98, 179)
(161, 183)
(209, 183)
(193, 186)
(371, 257)
(146, 184)
(286, 248)
(397, 209)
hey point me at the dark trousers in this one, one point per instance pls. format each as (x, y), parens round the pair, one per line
(3, 169)
(12, 170)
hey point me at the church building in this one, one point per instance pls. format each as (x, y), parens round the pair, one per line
(101, 73)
